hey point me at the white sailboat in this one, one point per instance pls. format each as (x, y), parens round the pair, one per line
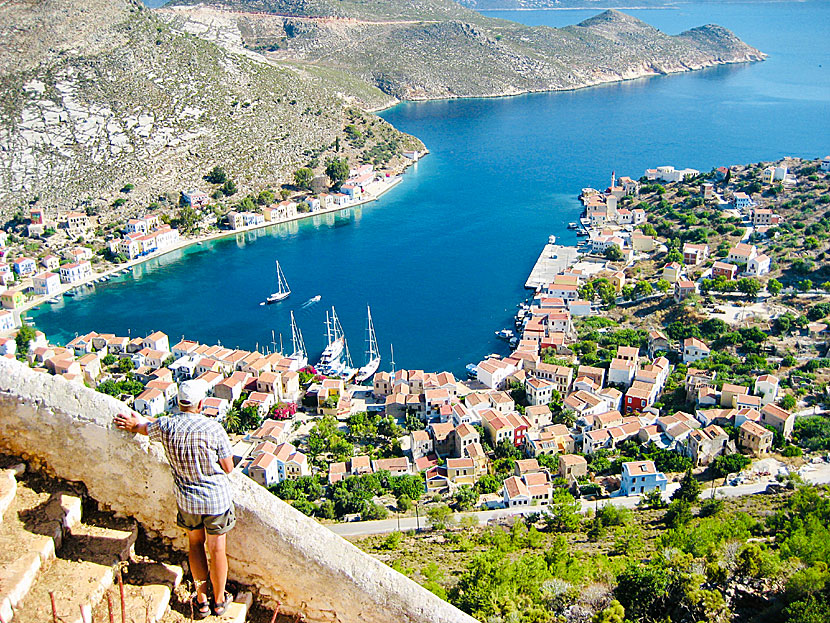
(299, 355)
(334, 341)
(372, 352)
(282, 288)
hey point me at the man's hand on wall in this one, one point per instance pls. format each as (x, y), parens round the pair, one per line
(132, 422)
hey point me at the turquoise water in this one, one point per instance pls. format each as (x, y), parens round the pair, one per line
(443, 257)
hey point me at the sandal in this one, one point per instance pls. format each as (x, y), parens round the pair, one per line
(202, 608)
(220, 607)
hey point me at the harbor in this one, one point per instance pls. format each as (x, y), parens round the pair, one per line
(553, 259)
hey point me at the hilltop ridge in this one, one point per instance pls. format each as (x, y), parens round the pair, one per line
(429, 49)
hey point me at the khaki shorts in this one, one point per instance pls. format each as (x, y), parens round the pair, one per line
(213, 524)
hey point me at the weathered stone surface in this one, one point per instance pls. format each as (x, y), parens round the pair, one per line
(68, 429)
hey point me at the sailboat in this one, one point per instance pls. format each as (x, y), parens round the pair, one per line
(282, 288)
(372, 353)
(299, 355)
(334, 341)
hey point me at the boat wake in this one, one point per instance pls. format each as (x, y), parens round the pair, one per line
(311, 301)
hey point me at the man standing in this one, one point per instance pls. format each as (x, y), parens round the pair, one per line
(200, 457)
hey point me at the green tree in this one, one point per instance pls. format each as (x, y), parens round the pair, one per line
(108, 359)
(663, 285)
(337, 170)
(726, 464)
(563, 512)
(303, 177)
(186, 219)
(643, 288)
(674, 256)
(229, 188)
(689, 490)
(466, 498)
(774, 287)
(749, 286)
(24, 337)
(439, 515)
(613, 253)
(217, 175)
(125, 364)
(787, 402)
(265, 197)
(805, 285)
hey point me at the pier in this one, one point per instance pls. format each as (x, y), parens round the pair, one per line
(554, 259)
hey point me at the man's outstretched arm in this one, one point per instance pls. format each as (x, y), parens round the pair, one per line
(132, 422)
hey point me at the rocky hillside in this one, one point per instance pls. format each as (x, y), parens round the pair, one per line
(426, 49)
(98, 94)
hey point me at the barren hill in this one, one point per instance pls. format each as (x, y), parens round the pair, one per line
(426, 49)
(101, 93)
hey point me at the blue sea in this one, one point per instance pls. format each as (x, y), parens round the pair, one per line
(443, 257)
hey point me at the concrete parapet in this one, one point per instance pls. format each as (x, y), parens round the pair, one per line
(285, 555)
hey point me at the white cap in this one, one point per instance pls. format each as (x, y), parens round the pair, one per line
(192, 392)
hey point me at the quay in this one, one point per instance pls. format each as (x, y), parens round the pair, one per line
(554, 259)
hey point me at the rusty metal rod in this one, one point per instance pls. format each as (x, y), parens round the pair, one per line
(123, 599)
(109, 607)
(54, 607)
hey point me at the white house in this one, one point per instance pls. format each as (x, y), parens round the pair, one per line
(694, 350)
(621, 371)
(46, 283)
(6, 320)
(766, 386)
(73, 273)
(493, 372)
(743, 201)
(758, 265)
(151, 402)
(825, 163)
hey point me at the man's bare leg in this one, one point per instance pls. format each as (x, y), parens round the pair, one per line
(218, 565)
(198, 563)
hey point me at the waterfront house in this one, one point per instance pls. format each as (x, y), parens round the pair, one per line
(724, 269)
(493, 372)
(24, 266)
(76, 272)
(694, 350)
(46, 283)
(157, 341)
(640, 477)
(754, 437)
(12, 298)
(6, 320)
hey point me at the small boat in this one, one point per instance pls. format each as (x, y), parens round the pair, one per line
(573, 226)
(472, 370)
(372, 353)
(581, 232)
(69, 293)
(282, 288)
(504, 334)
(513, 342)
(311, 301)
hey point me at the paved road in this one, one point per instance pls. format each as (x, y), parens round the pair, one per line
(815, 474)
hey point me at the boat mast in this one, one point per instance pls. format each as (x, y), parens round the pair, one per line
(372, 353)
(392, 349)
(328, 328)
(296, 338)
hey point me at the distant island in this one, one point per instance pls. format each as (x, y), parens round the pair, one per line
(104, 95)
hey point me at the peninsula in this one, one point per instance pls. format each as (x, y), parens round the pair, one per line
(108, 94)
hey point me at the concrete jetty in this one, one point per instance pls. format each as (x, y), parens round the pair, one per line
(553, 260)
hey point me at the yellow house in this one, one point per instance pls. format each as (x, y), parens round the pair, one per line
(671, 272)
(461, 471)
(617, 280)
(12, 299)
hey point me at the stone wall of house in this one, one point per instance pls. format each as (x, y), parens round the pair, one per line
(67, 429)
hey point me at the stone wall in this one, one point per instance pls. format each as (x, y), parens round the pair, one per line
(285, 555)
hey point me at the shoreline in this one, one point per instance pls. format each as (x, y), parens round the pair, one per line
(39, 300)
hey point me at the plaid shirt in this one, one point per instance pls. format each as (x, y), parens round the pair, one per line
(194, 444)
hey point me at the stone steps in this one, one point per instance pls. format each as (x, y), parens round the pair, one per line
(80, 576)
(148, 587)
(32, 531)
